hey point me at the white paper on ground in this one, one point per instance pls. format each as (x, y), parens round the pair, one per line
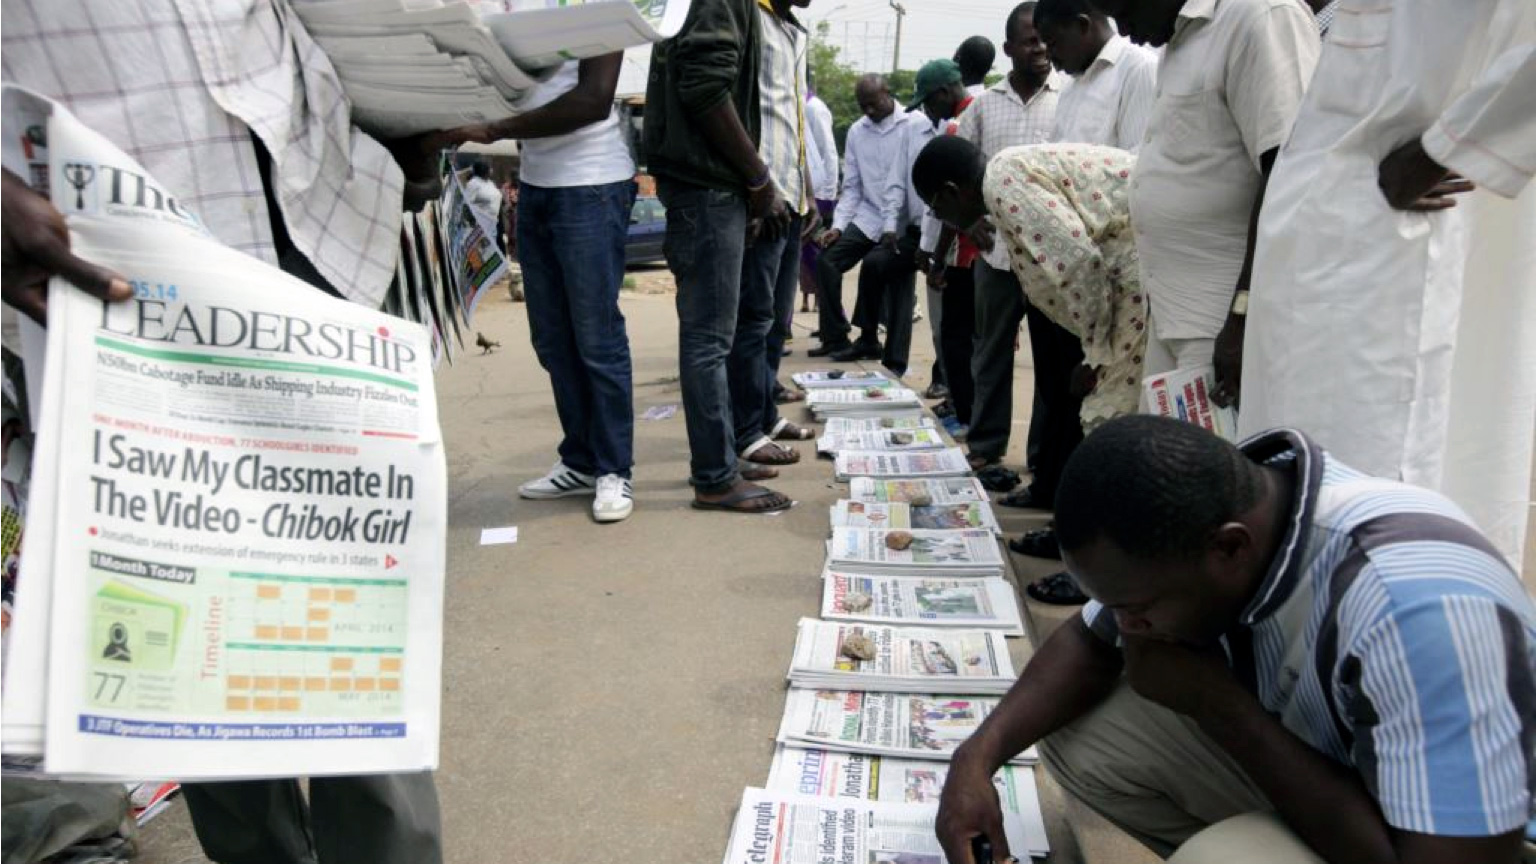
(497, 536)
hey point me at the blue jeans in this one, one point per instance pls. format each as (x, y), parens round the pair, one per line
(571, 245)
(771, 268)
(706, 241)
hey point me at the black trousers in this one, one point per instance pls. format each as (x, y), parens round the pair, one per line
(888, 295)
(957, 337)
(835, 261)
(999, 311)
(1056, 353)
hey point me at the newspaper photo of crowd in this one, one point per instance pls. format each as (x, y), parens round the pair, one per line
(302, 296)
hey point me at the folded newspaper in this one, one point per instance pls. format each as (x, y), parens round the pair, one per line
(1185, 395)
(841, 378)
(236, 544)
(829, 774)
(905, 659)
(924, 601)
(943, 490)
(414, 66)
(908, 726)
(905, 517)
(949, 462)
(775, 828)
(848, 425)
(970, 552)
(885, 440)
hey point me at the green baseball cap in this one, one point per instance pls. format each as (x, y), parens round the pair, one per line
(934, 76)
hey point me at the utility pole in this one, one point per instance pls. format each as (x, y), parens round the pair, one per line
(901, 12)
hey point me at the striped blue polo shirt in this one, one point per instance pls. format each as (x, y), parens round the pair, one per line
(1391, 636)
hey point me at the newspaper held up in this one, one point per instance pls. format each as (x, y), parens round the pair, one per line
(775, 828)
(248, 537)
(906, 659)
(1185, 394)
(909, 726)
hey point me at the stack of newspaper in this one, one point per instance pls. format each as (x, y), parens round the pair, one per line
(904, 516)
(905, 725)
(424, 65)
(235, 535)
(864, 402)
(784, 828)
(968, 552)
(903, 659)
(891, 779)
(948, 462)
(884, 440)
(944, 490)
(791, 829)
(849, 425)
(926, 601)
(832, 379)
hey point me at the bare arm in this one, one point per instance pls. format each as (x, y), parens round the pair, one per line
(1073, 671)
(590, 101)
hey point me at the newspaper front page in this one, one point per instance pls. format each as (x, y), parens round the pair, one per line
(775, 828)
(909, 726)
(939, 490)
(1185, 394)
(248, 530)
(970, 552)
(948, 462)
(905, 517)
(841, 378)
(921, 600)
(829, 774)
(848, 425)
(907, 659)
(894, 440)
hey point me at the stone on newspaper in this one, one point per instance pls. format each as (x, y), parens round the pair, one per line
(857, 601)
(900, 541)
(858, 647)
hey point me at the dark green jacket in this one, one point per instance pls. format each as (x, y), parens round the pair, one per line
(716, 56)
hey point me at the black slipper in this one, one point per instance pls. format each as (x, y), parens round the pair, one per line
(1057, 590)
(1038, 544)
(1026, 499)
(996, 478)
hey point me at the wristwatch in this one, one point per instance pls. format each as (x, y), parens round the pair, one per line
(1240, 304)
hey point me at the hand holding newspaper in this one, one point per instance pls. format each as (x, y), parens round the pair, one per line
(246, 504)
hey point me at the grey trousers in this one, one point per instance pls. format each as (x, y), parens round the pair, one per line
(999, 311)
(378, 819)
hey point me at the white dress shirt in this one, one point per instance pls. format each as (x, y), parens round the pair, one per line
(1000, 119)
(1229, 86)
(1111, 102)
(871, 151)
(821, 149)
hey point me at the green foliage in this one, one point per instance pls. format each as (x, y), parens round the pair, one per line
(992, 79)
(836, 78)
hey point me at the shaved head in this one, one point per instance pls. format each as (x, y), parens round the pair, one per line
(874, 97)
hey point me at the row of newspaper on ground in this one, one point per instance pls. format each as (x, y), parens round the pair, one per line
(914, 577)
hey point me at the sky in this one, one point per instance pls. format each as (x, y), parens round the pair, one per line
(865, 30)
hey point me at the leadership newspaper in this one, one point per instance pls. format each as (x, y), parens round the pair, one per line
(248, 530)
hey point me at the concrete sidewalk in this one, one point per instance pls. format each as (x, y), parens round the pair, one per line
(609, 690)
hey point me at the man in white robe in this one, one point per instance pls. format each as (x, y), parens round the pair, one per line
(1368, 326)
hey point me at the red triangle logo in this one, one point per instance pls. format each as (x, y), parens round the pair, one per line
(390, 561)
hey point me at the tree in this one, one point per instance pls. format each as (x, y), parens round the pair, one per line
(835, 80)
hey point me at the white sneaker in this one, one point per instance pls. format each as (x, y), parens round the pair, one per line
(560, 482)
(615, 499)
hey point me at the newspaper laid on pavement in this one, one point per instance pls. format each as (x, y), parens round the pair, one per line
(902, 516)
(970, 552)
(415, 66)
(864, 402)
(829, 774)
(909, 726)
(885, 440)
(949, 462)
(919, 492)
(1185, 394)
(921, 600)
(902, 659)
(775, 828)
(246, 542)
(847, 425)
(841, 378)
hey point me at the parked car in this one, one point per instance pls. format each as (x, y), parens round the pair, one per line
(647, 228)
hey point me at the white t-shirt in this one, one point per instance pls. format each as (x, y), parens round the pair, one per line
(484, 197)
(590, 156)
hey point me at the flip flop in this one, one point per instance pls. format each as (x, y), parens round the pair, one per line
(787, 431)
(765, 452)
(784, 396)
(733, 503)
(996, 478)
